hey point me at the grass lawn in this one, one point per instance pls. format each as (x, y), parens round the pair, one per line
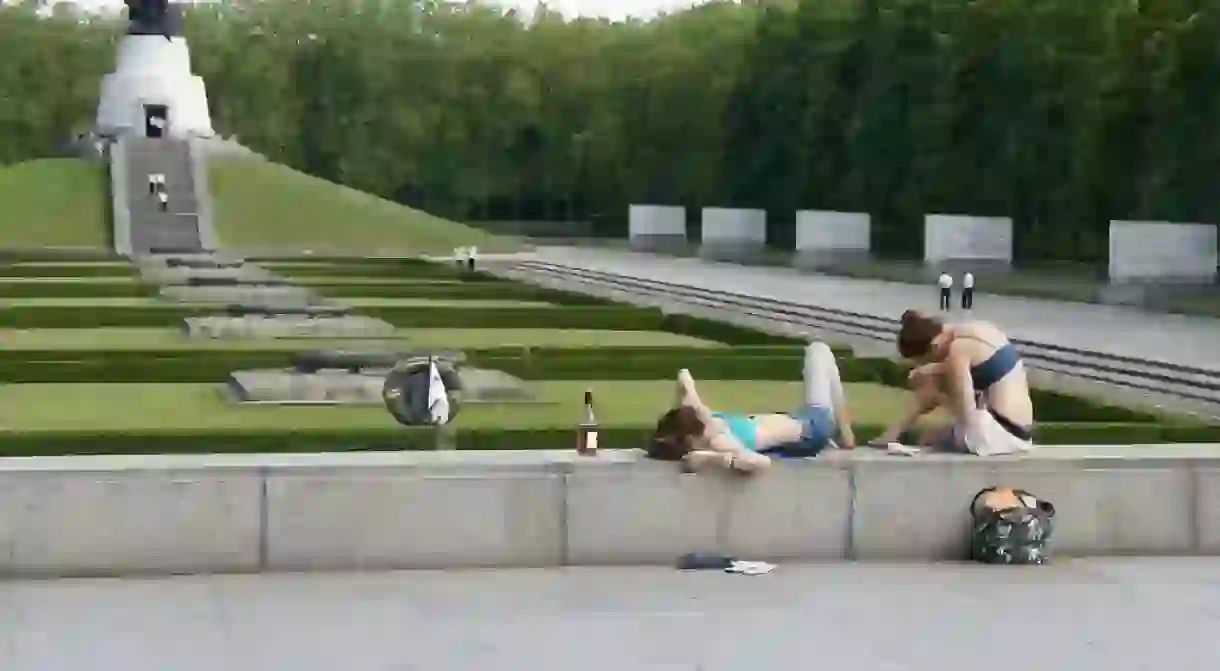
(133, 407)
(58, 202)
(262, 205)
(172, 339)
(128, 302)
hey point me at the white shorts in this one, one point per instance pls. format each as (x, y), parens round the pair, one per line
(985, 436)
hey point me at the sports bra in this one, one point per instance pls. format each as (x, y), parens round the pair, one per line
(994, 368)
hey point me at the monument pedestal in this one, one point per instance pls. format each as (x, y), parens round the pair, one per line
(152, 92)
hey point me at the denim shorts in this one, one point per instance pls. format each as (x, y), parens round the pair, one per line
(818, 427)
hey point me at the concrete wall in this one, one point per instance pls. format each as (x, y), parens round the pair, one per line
(824, 237)
(176, 514)
(1154, 251)
(120, 210)
(657, 227)
(965, 241)
(732, 234)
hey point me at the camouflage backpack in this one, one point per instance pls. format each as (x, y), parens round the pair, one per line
(1010, 526)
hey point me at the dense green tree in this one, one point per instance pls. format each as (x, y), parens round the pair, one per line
(1059, 113)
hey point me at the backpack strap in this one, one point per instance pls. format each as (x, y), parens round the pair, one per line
(975, 500)
(1045, 507)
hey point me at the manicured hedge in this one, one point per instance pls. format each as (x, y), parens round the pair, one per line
(83, 289)
(777, 362)
(503, 291)
(722, 332)
(397, 438)
(575, 317)
(384, 270)
(344, 261)
(65, 270)
(543, 363)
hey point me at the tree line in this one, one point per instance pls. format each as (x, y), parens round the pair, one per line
(1062, 114)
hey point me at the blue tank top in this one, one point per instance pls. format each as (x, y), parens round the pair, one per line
(742, 427)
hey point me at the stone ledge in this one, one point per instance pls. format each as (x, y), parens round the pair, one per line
(108, 515)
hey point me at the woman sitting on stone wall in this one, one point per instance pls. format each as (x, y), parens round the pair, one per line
(698, 437)
(974, 373)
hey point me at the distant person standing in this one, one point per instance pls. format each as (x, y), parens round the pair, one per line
(164, 198)
(471, 254)
(946, 291)
(968, 291)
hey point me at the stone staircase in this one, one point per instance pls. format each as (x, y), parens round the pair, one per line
(151, 229)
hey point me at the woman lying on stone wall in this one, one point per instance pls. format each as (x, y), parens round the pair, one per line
(700, 438)
(974, 373)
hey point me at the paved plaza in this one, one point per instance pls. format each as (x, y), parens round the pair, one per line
(1122, 331)
(1115, 615)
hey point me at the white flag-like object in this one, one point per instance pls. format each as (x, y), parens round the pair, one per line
(438, 398)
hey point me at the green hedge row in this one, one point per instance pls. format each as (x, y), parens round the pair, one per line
(399, 438)
(506, 291)
(594, 317)
(84, 289)
(379, 270)
(537, 363)
(410, 263)
(576, 317)
(502, 291)
(66, 270)
(779, 363)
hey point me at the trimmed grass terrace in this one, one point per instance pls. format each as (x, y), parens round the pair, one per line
(56, 202)
(263, 205)
(134, 302)
(144, 407)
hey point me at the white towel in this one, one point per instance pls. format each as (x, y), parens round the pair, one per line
(438, 398)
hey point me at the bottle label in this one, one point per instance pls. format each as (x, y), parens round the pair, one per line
(591, 441)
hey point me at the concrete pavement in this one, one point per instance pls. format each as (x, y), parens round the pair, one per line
(1116, 615)
(1121, 331)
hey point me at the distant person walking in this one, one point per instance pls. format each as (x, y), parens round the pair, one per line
(968, 291)
(946, 291)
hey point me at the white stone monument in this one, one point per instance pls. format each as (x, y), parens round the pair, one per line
(656, 227)
(152, 92)
(733, 234)
(1162, 252)
(957, 242)
(828, 238)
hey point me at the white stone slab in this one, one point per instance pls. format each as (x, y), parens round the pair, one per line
(965, 238)
(820, 230)
(260, 327)
(235, 294)
(724, 225)
(650, 220)
(1162, 251)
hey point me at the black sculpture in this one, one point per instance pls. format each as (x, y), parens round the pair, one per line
(153, 17)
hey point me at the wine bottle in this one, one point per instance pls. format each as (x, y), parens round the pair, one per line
(586, 434)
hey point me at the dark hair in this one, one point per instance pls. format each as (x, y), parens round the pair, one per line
(916, 334)
(671, 439)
